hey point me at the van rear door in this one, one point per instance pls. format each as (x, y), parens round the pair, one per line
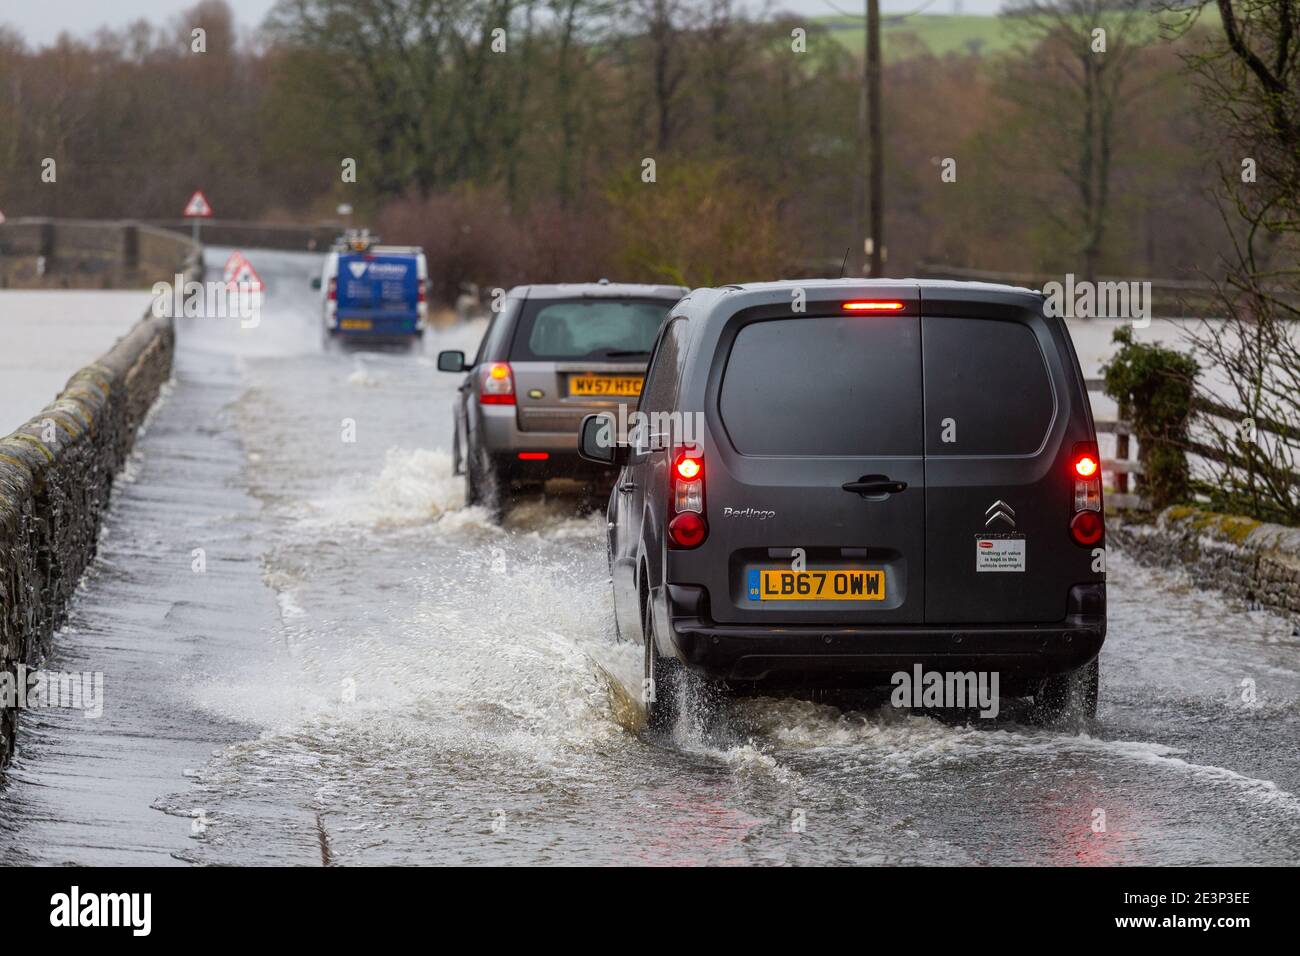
(804, 405)
(378, 292)
(1004, 408)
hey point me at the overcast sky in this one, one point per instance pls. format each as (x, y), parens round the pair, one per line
(41, 21)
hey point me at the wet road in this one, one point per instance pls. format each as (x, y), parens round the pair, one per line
(366, 671)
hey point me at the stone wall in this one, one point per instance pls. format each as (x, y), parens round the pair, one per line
(1257, 562)
(56, 474)
(91, 254)
(221, 232)
(57, 471)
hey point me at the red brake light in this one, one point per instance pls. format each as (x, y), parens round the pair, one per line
(1087, 527)
(333, 293)
(1085, 466)
(534, 455)
(496, 384)
(873, 306)
(688, 469)
(687, 530)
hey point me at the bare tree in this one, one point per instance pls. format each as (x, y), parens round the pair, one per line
(1074, 82)
(421, 81)
(566, 13)
(662, 23)
(1249, 79)
(726, 43)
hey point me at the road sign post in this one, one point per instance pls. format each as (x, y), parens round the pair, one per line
(198, 209)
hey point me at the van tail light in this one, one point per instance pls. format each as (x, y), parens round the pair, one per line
(496, 384)
(688, 496)
(688, 529)
(1087, 525)
(873, 305)
(688, 469)
(333, 293)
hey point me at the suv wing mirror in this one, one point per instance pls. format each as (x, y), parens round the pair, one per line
(598, 440)
(451, 362)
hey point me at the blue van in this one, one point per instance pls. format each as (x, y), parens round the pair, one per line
(378, 291)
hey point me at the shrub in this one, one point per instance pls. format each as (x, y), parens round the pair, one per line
(473, 238)
(1154, 387)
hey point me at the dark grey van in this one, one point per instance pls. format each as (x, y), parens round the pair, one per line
(831, 482)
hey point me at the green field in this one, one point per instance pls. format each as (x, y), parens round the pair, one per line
(940, 34)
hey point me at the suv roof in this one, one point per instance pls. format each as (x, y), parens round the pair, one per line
(597, 290)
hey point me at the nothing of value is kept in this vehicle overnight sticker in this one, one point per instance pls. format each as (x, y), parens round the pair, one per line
(999, 553)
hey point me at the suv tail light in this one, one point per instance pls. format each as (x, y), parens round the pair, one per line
(1087, 525)
(496, 384)
(688, 529)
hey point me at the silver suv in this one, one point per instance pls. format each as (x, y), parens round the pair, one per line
(551, 355)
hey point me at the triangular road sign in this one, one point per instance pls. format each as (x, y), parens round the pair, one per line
(232, 266)
(247, 277)
(198, 206)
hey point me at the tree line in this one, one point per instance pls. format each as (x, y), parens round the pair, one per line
(680, 140)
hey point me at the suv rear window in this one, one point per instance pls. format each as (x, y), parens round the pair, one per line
(990, 379)
(595, 329)
(837, 386)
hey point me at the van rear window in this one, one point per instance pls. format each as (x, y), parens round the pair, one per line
(989, 379)
(597, 329)
(838, 386)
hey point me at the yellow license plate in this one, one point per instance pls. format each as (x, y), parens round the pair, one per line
(360, 324)
(617, 385)
(847, 585)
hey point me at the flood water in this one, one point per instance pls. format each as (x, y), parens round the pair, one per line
(366, 671)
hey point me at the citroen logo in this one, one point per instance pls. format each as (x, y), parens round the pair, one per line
(1000, 509)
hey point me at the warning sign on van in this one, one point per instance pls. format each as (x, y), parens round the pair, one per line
(999, 553)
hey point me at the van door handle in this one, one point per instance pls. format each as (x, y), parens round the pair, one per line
(874, 485)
